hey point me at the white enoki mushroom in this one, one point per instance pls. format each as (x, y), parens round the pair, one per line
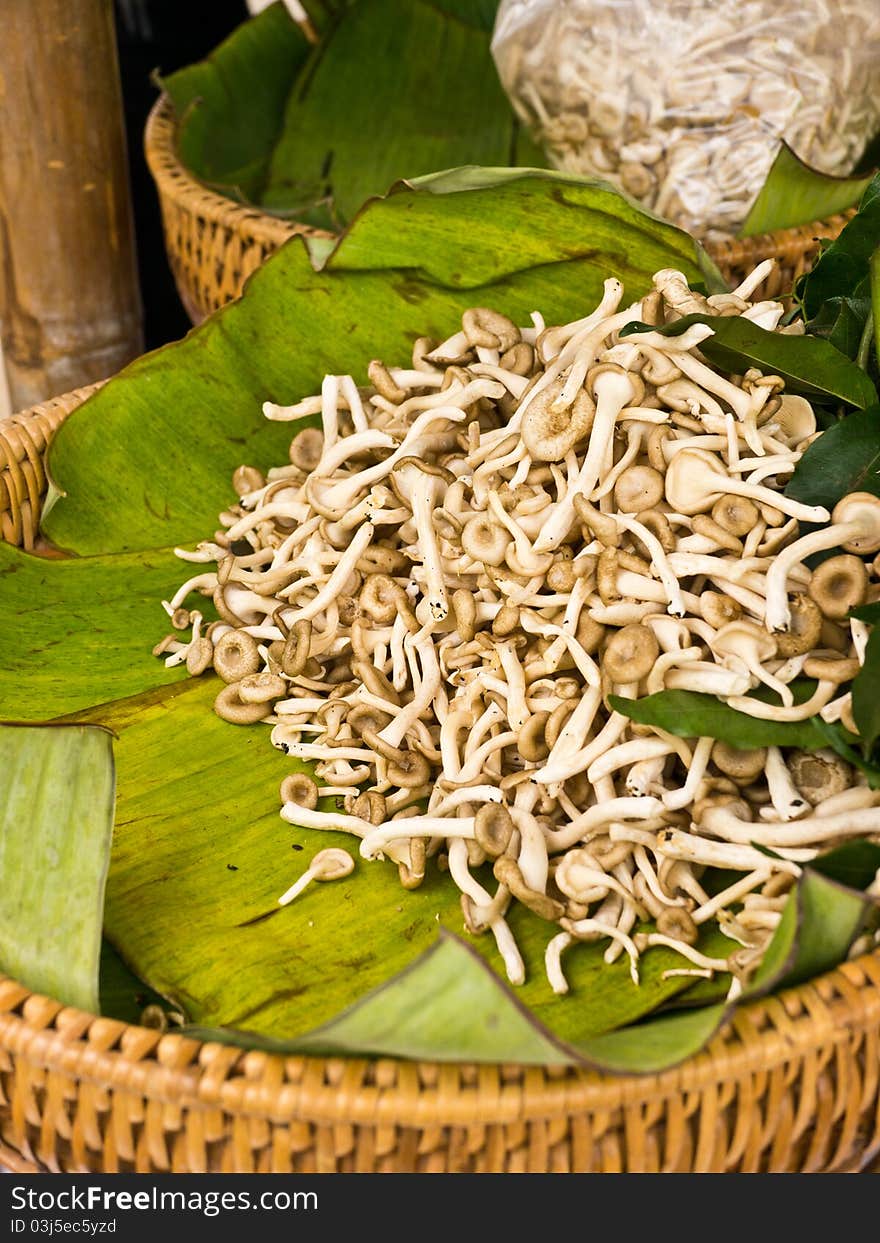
(433, 602)
(683, 106)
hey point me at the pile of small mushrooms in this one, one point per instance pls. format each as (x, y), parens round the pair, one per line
(684, 105)
(435, 600)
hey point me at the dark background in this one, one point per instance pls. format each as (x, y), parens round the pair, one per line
(163, 35)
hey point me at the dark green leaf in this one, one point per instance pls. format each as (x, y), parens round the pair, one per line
(841, 321)
(56, 820)
(230, 107)
(808, 365)
(83, 630)
(866, 694)
(843, 264)
(688, 714)
(845, 458)
(171, 429)
(794, 193)
(123, 995)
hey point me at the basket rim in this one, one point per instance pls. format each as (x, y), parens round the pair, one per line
(175, 182)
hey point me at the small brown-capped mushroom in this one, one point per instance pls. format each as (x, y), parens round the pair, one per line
(507, 872)
(297, 646)
(531, 742)
(330, 864)
(819, 775)
(484, 539)
(638, 488)
(630, 653)
(464, 611)
(742, 766)
(855, 526)
(420, 485)
(831, 667)
(601, 525)
(229, 707)
(488, 329)
(261, 688)
(695, 479)
(678, 925)
(838, 585)
(520, 359)
(384, 384)
(381, 597)
(370, 806)
(367, 717)
(199, 656)
(493, 829)
(247, 479)
(306, 449)
(506, 621)
(549, 433)
(236, 655)
(299, 788)
(412, 874)
(409, 770)
(804, 629)
(735, 514)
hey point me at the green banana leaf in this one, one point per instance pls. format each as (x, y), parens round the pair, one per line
(200, 854)
(56, 817)
(795, 193)
(392, 89)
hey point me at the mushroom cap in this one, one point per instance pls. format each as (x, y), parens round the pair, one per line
(236, 655)
(380, 598)
(638, 488)
(675, 922)
(331, 864)
(484, 539)
(819, 774)
(739, 764)
(411, 471)
(550, 434)
(735, 514)
(299, 788)
(260, 688)
(745, 639)
(306, 448)
(576, 873)
(831, 667)
(864, 509)
(488, 329)
(694, 481)
(804, 630)
(493, 828)
(630, 653)
(794, 418)
(838, 585)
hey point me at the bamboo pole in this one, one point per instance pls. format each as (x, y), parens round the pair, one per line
(69, 302)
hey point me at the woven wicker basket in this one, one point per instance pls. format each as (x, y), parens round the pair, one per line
(214, 244)
(793, 1083)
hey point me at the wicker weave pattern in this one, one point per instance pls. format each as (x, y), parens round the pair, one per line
(792, 1085)
(213, 244)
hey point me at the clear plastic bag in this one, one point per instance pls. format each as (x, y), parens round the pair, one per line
(683, 103)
